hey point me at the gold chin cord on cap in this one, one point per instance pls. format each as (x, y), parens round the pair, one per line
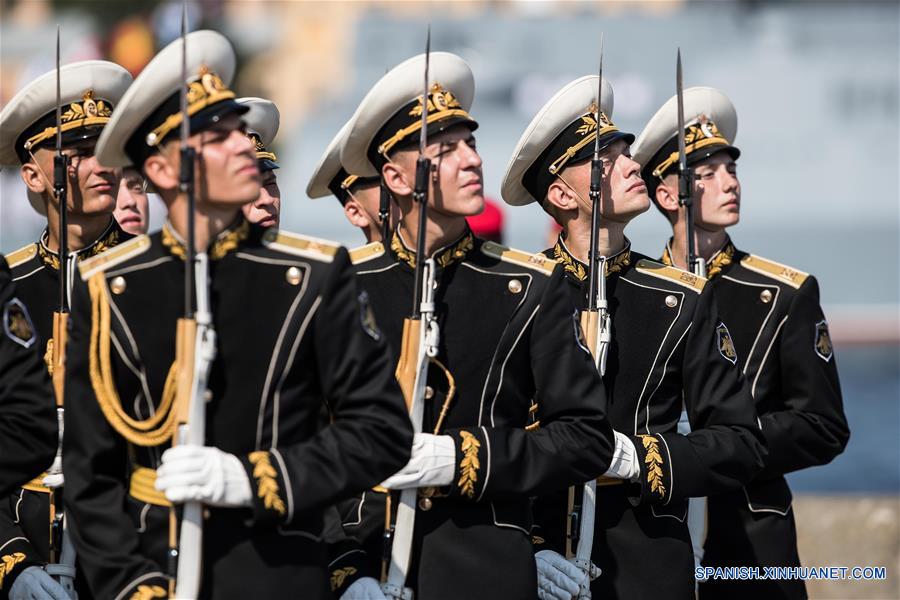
(586, 204)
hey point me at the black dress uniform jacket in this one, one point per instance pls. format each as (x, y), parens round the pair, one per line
(669, 352)
(289, 339)
(527, 415)
(25, 514)
(27, 411)
(783, 347)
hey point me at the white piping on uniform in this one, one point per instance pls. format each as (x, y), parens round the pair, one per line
(766, 320)
(766, 356)
(274, 359)
(29, 274)
(637, 408)
(276, 400)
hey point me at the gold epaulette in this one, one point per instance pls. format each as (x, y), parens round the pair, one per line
(301, 245)
(777, 271)
(366, 253)
(17, 257)
(673, 274)
(114, 256)
(538, 262)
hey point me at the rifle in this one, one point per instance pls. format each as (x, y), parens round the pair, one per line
(61, 559)
(419, 344)
(194, 354)
(695, 264)
(597, 325)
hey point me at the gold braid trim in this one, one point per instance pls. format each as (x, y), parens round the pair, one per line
(568, 263)
(152, 431)
(469, 465)
(146, 592)
(266, 481)
(226, 242)
(448, 256)
(720, 260)
(9, 562)
(338, 576)
(653, 460)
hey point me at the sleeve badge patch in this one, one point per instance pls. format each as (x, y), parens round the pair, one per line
(725, 344)
(823, 341)
(17, 323)
(367, 317)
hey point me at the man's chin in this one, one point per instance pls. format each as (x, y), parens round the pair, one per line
(98, 205)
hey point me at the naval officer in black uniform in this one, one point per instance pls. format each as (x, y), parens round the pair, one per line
(89, 92)
(780, 336)
(263, 119)
(669, 350)
(27, 416)
(523, 408)
(289, 340)
(360, 197)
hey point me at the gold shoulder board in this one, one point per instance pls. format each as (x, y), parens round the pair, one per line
(301, 245)
(777, 271)
(17, 257)
(538, 262)
(114, 256)
(366, 253)
(673, 274)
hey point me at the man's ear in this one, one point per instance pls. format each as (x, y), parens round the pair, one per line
(666, 194)
(561, 196)
(160, 172)
(356, 215)
(395, 180)
(34, 179)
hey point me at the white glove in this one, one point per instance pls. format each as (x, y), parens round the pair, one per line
(364, 588)
(203, 474)
(558, 579)
(34, 584)
(624, 463)
(54, 477)
(432, 463)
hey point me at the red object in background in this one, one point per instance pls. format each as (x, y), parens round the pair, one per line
(489, 224)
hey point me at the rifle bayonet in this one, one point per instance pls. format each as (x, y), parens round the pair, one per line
(686, 179)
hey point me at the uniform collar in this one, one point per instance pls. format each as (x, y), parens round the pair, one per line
(443, 257)
(109, 238)
(226, 242)
(721, 259)
(579, 270)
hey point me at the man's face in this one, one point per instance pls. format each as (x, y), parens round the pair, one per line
(457, 184)
(623, 192)
(226, 171)
(717, 192)
(265, 210)
(91, 189)
(132, 204)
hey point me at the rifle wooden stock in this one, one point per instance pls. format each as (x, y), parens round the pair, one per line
(58, 356)
(407, 366)
(590, 325)
(185, 340)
